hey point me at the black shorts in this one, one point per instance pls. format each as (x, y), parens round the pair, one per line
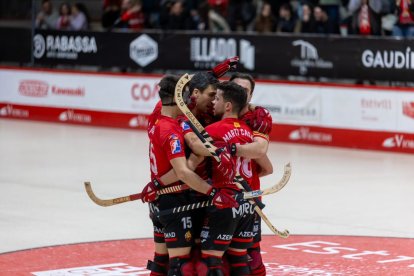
(178, 228)
(230, 227)
(257, 228)
(158, 231)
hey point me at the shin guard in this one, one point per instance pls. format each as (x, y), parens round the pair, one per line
(209, 266)
(238, 263)
(181, 266)
(256, 263)
(158, 267)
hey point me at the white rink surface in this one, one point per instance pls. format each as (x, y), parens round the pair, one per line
(43, 202)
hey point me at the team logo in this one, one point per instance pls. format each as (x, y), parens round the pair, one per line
(185, 126)
(175, 144)
(187, 236)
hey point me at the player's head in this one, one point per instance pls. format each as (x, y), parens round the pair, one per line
(167, 89)
(202, 86)
(230, 98)
(246, 81)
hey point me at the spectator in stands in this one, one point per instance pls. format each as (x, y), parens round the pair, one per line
(287, 22)
(265, 21)
(47, 17)
(211, 19)
(366, 19)
(240, 14)
(405, 19)
(79, 18)
(175, 16)
(63, 22)
(321, 20)
(111, 13)
(332, 7)
(151, 10)
(132, 16)
(306, 22)
(220, 6)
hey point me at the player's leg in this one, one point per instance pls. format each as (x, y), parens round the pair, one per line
(178, 234)
(255, 258)
(159, 265)
(241, 241)
(216, 235)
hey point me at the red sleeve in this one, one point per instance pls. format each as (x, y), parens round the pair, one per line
(173, 144)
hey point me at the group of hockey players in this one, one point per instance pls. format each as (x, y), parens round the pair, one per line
(223, 239)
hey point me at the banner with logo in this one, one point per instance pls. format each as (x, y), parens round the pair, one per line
(332, 115)
(97, 99)
(318, 56)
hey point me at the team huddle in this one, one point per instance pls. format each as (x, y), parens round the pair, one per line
(223, 239)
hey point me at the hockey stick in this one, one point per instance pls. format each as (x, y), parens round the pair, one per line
(118, 200)
(244, 195)
(201, 133)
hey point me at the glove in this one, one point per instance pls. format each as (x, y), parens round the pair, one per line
(231, 148)
(260, 120)
(149, 193)
(223, 198)
(226, 166)
(225, 66)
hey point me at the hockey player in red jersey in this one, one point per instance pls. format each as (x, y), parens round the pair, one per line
(166, 152)
(228, 229)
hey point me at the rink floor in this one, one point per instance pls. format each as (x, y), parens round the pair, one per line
(43, 202)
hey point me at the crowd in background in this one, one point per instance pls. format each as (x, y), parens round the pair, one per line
(360, 17)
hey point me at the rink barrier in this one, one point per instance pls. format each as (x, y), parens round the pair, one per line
(374, 118)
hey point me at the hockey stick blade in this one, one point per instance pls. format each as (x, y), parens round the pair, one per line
(123, 199)
(275, 188)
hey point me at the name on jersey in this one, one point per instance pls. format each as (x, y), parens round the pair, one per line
(236, 132)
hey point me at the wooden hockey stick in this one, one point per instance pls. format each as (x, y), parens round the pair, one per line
(201, 133)
(244, 195)
(123, 199)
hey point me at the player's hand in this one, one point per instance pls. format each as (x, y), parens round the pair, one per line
(223, 198)
(226, 166)
(230, 147)
(225, 66)
(260, 120)
(149, 193)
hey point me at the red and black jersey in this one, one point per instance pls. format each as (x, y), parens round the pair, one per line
(232, 130)
(166, 143)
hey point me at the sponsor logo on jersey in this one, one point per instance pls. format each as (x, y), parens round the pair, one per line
(185, 126)
(175, 144)
(188, 236)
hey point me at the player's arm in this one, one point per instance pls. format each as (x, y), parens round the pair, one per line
(169, 177)
(188, 176)
(256, 149)
(194, 160)
(195, 144)
(266, 166)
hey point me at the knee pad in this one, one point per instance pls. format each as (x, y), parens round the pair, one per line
(158, 267)
(255, 257)
(209, 266)
(181, 266)
(259, 271)
(238, 262)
